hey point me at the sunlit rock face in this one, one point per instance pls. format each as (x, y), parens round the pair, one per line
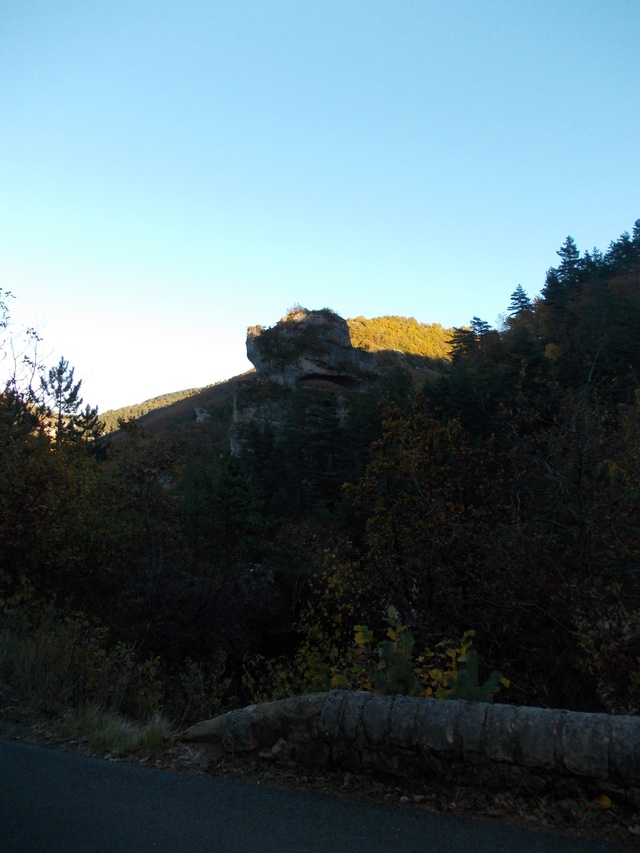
(306, 346)
(308, 350)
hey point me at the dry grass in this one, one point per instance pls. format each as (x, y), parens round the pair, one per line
(111, 732)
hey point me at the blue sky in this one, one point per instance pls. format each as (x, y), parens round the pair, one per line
(173, 172)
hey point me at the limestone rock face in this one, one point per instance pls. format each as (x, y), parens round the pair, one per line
(308, 345)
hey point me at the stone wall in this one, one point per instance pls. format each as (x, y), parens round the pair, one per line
(495, 745)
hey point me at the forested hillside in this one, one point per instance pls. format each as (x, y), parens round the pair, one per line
(111, 417)
(403, 334)
(380, 334)
(370, 537)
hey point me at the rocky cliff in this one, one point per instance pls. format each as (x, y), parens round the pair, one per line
(304, 350)
(306, 346)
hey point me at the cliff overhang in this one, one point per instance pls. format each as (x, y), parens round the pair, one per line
(309, 346)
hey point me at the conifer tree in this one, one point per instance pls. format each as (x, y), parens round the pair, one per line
(63, 394)
(462, 342)
(569, 269)
(480, 327)
(62, 399)
(520, 302)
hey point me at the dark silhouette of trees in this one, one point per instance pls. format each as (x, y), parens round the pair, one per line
(503, 497)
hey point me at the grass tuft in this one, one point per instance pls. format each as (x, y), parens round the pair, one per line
(110, 731)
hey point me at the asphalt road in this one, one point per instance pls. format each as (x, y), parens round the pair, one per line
(52, 801)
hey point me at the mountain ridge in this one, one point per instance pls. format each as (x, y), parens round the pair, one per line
(393, 340)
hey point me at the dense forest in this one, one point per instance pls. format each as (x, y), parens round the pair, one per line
(481, 498)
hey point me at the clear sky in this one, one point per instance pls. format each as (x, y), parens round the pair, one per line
(173, 171)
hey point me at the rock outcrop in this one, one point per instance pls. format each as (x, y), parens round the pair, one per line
(495, 745)
(202, 415)
(308, 345)
(305, 349)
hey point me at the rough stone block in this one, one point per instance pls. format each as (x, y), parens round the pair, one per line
(318, 754)
(625, 750)
(498, 737)
(236, 733)
(352, 712)
(208, 731)
(375, 719)
(471, 717)
(405, 735)
(329, 723)
(436, 727)
(403, 721)
(381, 761)
(343, 755)
(585, 743)
(536, 732)
(285, 717)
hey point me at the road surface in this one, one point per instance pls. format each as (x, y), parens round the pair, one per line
(52, 801)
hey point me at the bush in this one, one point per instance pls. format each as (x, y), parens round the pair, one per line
(54, 661)
(331, 655)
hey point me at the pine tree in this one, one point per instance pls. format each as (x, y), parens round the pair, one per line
(520, 302)
(570, 267)
(61, 396)
(479, 327)
(462, 343)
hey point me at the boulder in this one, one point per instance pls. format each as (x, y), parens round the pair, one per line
(308, 345)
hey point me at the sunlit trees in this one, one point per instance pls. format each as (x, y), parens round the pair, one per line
(403, 334)
(62, 401)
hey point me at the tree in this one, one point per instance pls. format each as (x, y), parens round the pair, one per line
(62, 400)
(432, 495)
(569, 269)
(59, 389)
(520, 302)
(19, 357)
(623, 255)
(562, 282)
(4, 314)
(479, 327)
(87, 426)
(463, 341)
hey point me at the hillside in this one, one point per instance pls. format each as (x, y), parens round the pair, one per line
(111, 417)
(401, 334)
(364, 517)
(394, 341)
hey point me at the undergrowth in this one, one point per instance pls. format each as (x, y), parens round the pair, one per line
(334, 655)
(114, 733)
(64, 668)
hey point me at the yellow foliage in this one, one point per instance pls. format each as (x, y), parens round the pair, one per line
(327, 658)
(403, 334)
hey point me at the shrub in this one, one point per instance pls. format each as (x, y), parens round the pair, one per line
(330, 657)
(55, 661)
